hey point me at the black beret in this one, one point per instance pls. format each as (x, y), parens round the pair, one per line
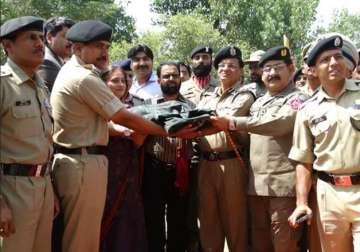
(89, 31)
(332, 42)
(275, 53)
(140, 48)
(21, 24)
(226, 53)
(201, 49)
(123, 64)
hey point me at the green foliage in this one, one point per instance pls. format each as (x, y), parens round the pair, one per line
(105, 10)
(183, 32)
(262, 24)
(180, 35)
(173, 7)
(344, 23)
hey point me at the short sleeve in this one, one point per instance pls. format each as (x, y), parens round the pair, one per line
(99, 97)
(302, 148)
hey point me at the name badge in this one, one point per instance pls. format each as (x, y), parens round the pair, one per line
(23, 103)
(318, 120)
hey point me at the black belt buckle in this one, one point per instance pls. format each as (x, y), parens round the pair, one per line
(214, 156)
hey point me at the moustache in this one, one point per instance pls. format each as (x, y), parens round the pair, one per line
(143, 67)
(276, 77)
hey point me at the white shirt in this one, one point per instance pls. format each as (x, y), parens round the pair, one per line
(147, 90)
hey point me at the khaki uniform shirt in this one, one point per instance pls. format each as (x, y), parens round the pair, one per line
(191, 91)
(270, 125)
(258, 89)
(25, 124)
(82, 105)
(233, 103)
(324, 135)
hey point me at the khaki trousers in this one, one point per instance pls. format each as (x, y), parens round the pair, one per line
(80, 181)
(339, 217)
(223, 205)
(31, 200)
(270, 230)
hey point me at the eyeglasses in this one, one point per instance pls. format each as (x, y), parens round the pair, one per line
(230, 66)
(168, 76)
(276, 67)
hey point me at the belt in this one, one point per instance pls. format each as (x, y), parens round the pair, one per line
(218, 156)
(93, 150)
(161, 163)
(26, 170)
(339, 180)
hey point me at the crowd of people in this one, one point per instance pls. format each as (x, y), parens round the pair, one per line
(99, 156)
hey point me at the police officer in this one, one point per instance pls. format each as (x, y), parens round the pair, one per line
(326, 140)
(222, 174)
(255, 72)
(272, 175)
(199, 86)
(26, 193)
(201, 83)
(82, 105)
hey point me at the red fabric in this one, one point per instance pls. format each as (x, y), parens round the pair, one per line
(182, 167)
(201, 82)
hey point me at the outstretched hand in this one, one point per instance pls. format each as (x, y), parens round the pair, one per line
(188, 132)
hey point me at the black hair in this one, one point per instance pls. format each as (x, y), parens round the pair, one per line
(140, 48)
(56, 24)
(188, 68)
(167, 63)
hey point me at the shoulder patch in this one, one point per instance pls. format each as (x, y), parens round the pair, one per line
(296, 101)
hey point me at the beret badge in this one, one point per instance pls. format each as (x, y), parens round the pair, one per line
(232, 51)
(337, 42)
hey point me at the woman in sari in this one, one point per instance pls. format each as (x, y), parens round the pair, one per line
(123, 226)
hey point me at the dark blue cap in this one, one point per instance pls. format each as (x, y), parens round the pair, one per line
(323, 45)
(275, 53)
(89, 31)
(227, 53)
(21, 24)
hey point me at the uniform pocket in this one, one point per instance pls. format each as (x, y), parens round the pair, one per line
(28, 120)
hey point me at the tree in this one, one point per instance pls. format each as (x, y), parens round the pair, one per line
(181, 33)
(262, 24)
(173, 7)
(105, 10)
(344, 23)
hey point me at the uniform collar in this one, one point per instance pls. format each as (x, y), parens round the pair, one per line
(20, 76)
(90, 67)
(287, 90)
(349, 86)
(231, 89)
